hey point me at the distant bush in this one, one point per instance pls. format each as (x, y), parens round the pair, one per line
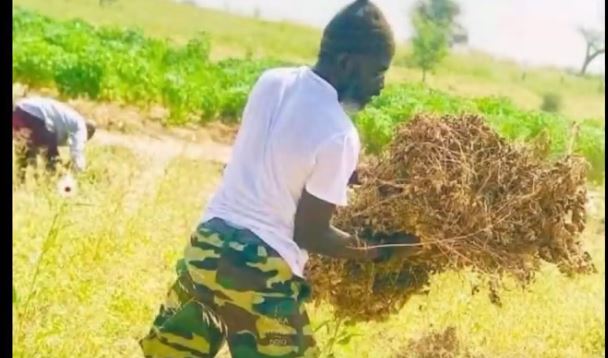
(552, 102)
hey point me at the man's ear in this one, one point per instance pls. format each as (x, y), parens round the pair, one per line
(345, 64)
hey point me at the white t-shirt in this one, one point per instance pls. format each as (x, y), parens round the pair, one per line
(67, 124)
(294, 135)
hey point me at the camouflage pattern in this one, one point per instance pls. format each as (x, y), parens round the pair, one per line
(232, 287)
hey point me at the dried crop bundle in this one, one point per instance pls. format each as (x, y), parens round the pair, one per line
(475, 201)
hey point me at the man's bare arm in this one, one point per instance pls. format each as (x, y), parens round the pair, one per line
(313, 232)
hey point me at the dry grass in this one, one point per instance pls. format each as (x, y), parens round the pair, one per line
(474, 201)
(103, 267)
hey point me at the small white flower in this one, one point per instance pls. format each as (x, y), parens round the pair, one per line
(66, 186)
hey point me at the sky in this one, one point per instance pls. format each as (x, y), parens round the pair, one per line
(530, 32)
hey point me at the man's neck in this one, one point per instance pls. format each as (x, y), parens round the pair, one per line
(324, 71)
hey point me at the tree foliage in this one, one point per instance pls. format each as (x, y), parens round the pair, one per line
(444, 12)
(430, 43)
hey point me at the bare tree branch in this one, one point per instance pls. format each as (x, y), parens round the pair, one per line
(595, 46)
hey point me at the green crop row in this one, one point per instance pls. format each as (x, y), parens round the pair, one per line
(124, 65)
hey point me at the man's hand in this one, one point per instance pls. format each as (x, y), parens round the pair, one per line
(358, 176)
(313, 232)
(395, 245)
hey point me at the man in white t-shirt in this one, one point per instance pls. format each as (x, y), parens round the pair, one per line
(241, 279)
(44, 124)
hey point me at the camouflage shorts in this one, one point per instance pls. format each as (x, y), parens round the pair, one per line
(232, 287)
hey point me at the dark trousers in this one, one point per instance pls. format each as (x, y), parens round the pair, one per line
(33, 138)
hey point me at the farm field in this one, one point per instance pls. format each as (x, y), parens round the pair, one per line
(472, 74)
(124, 65)
(90, 269)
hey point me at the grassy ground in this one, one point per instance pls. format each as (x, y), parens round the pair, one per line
(90, 270)
(466, 74)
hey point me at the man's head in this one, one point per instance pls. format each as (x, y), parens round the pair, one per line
(90, 129)
(356, 51)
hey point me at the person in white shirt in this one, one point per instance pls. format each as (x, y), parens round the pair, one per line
(242, 276)
(44, 124)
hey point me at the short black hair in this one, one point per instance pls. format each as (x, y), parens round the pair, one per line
(359, 28)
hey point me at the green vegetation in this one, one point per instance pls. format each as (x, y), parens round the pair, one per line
(231, 35)
(435, 29)
(124, 65)
(463, 74)
(429, 45)
(552, 102)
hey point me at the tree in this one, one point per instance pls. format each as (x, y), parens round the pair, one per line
(595, 46)
(438, 10)
(435, 30)
(444, 12)
(430, 44)
(594, 39)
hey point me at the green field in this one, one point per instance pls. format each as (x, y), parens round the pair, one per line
(114, 64)
(89, 271)
(468, 75)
